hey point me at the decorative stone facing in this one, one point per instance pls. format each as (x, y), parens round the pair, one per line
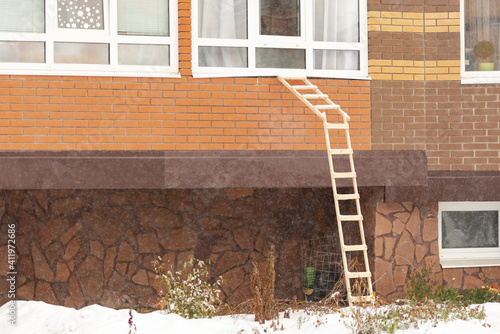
(77, 248)
(406, 239)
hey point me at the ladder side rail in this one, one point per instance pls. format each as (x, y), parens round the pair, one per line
(337, 214)
(358, 210)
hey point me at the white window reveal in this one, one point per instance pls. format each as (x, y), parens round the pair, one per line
(324, 38)
(469, 234)
(480, 41)
(89, 37)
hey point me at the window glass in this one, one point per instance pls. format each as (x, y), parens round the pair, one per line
(336, 60)
(80, 14)
(81, 53)
(22, 16)
(215, 56)
(22, 52)
(222, 19)
(482, 35)
(143, 17)
(280, 58)
(280, 17)
(336, 21)
(469, 229)
(141, 54)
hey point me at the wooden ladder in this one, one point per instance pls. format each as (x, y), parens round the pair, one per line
(320, 103)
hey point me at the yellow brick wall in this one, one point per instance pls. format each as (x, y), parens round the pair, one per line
(406, 22)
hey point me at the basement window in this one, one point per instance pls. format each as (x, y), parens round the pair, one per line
(469, 234)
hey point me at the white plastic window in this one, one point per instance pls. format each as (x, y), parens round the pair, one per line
(469, 234)
(326, 38)
(89, 37)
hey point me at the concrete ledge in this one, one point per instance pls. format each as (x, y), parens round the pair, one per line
(203, 169)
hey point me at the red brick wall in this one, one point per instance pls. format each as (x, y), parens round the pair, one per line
(117, 113)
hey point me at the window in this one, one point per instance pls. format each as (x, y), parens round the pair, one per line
(89, 37)
(480, 40)
(326, 38)
(469, 234)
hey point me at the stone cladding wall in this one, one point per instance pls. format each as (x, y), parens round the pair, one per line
(406, 239)
(79, 247)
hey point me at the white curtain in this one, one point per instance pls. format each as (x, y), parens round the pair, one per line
(336, 21)
(225, 19)
(22, 16)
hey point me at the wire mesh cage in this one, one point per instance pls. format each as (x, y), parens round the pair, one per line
(321, 266)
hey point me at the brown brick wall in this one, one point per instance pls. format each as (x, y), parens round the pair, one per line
(398, 115)
(418, 101)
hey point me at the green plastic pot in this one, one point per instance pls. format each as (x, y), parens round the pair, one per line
(309, 274)
(486, 66)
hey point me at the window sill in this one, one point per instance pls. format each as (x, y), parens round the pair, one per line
(474, 78)
(488, 259)
(145, 72)
(244, 72)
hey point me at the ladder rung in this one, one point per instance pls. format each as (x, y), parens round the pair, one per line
(341, 151)
(362, 299)
(341, 126)
(344, 197)
(314, 96)
(327, 106)
(354, 248)
(344, 175)
(304, 87)
(361, 274)
(293, 78)
(350, 217)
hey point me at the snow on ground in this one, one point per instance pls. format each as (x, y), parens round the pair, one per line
(41, 318)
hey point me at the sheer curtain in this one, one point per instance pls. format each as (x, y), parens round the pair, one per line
(225, 19)
(336, 21)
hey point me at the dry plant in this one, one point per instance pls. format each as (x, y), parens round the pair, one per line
(264, 303)
(358, 288)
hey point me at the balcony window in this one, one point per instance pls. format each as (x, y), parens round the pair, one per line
(325, 38)
(89, 37)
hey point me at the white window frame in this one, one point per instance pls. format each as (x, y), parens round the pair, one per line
(305, 42)
(467, 257)
(109, 35)
(472, 77)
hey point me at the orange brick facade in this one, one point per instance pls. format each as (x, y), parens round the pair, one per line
(104, 113)
(115, 113)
